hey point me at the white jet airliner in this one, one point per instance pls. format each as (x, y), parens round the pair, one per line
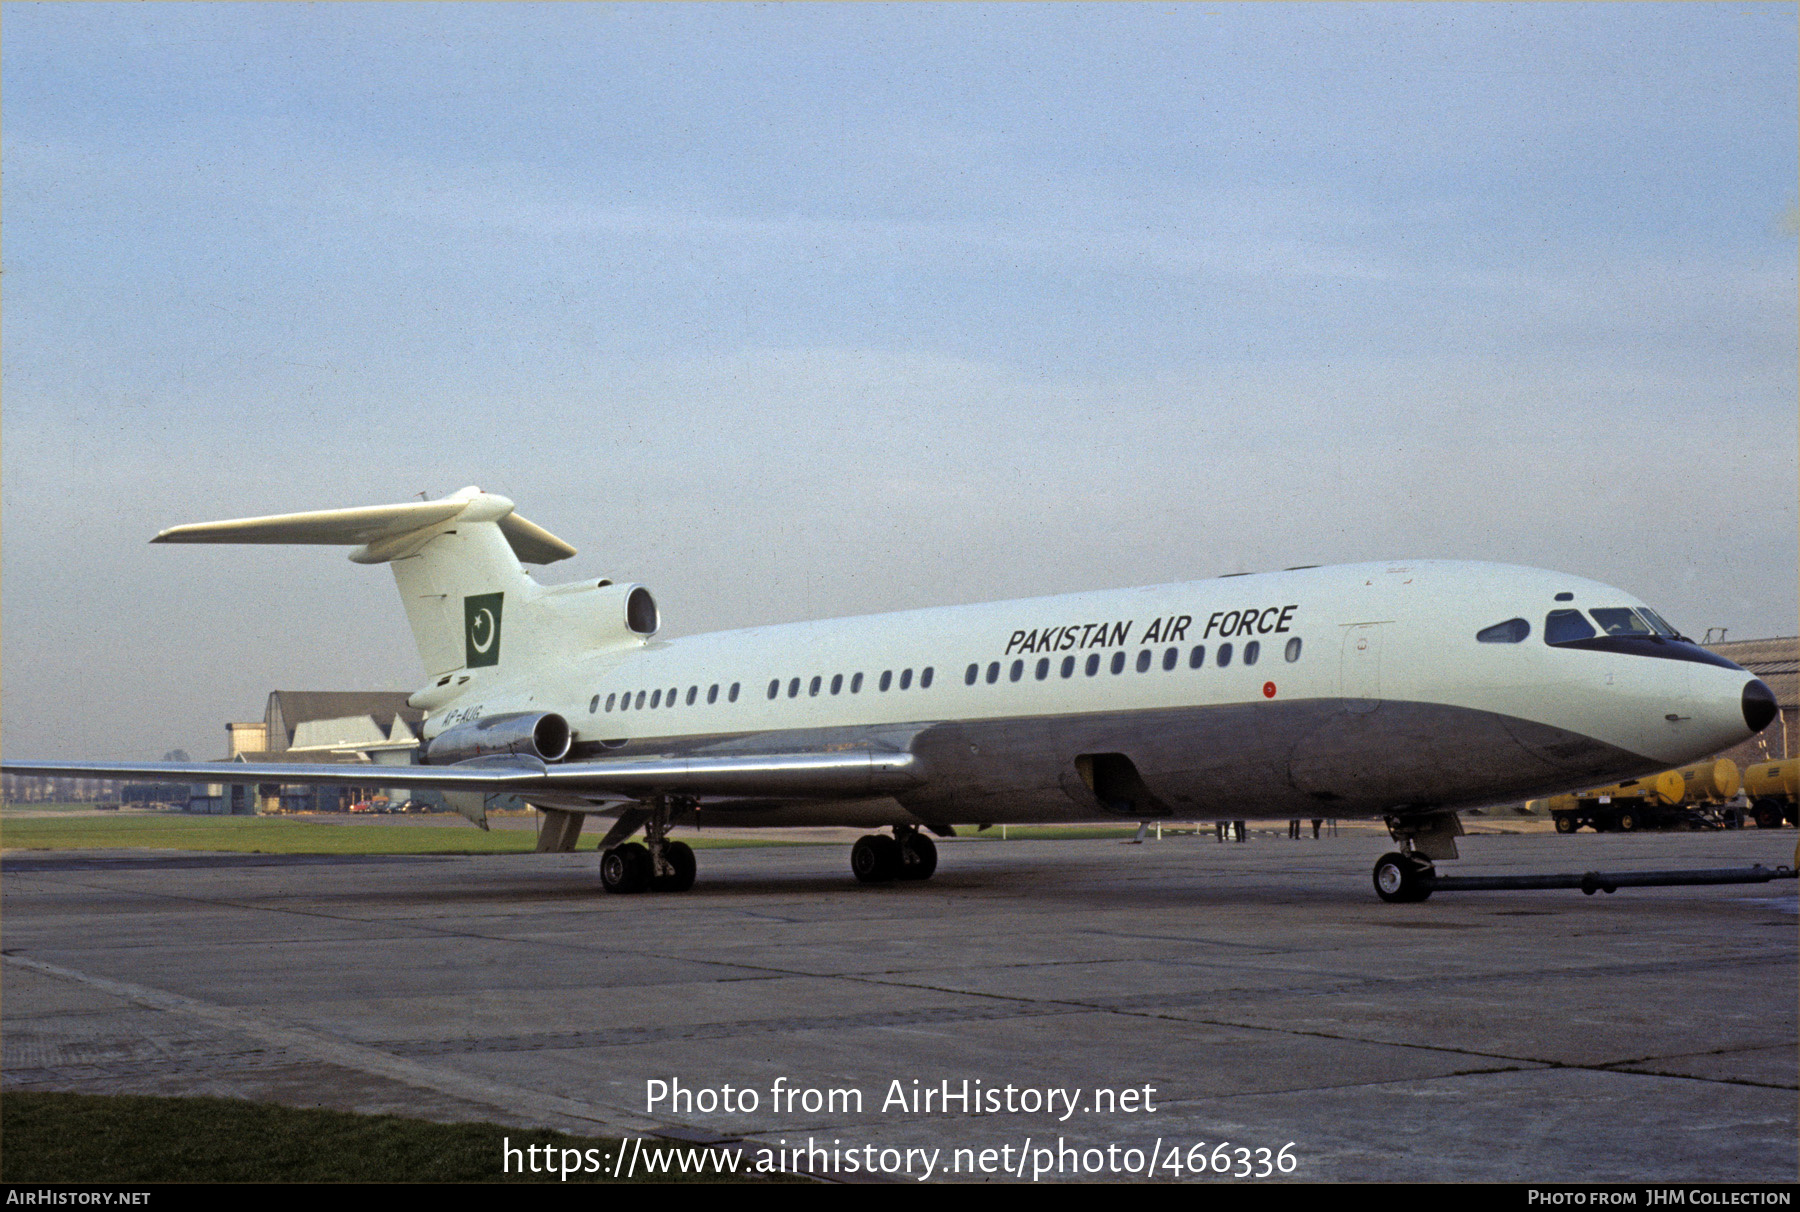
(1399, 691)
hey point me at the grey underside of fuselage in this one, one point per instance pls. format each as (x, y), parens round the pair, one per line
(1320, 757)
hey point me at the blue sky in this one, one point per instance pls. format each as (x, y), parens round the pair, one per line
(794, 310)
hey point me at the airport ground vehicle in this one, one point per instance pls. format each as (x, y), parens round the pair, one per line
(1773, 789)
(1656, 801)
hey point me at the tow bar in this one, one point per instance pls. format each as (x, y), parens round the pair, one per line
(1591, 882)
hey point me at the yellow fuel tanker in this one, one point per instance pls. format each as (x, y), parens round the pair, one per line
(1647, 803)
(1773, 789)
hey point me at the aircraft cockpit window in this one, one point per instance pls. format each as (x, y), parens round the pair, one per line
(1252, 650)
(1661, 624)
(1620, 620)
(1509, 632)
(1564, 626)
(1197, 658)
(1293, 650)
(1224, 655)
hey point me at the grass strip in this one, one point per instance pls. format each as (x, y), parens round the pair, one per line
(118, 1138)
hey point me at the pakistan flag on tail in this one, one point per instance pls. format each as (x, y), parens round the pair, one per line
(481, 629)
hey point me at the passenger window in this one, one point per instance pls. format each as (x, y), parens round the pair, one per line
(639, 705)
(774, 687)
(1252, 650)
(856, 684)
(1017, 671)
(794, 688)
(1619, 620)
(1118, 661)
(593, 704)
(1566, 626)
(1043, 668)
(734, 690)
(1197, 657)
(1224, 655)
(1068, 667)
(1093, 664)
(905, 679)
(693, 693)
(625, 703)
(712, 694)
(812, 688)
(993, 674)
(1509, 632)
(1171, 658)
(655, 698)
(887, 679)
(1143, 661)
(925, 677)
(1293, 650)
(670, 701)
(837, 682)
(973, 672)
(610, 700)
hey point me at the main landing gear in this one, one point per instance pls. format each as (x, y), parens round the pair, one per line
(908, 855)
(656, 865)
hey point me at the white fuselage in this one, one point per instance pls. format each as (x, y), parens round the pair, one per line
(1357, 689)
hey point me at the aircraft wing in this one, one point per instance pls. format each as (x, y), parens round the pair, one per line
(847, 774)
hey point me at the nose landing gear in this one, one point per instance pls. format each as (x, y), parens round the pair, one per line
(1402, 879)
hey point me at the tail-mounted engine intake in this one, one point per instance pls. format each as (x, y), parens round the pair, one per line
(540, 734)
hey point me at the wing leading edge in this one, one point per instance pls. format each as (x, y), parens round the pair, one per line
(838, 775)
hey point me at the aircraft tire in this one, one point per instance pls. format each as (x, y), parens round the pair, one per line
(681, 857)
(918, 857)
(875, 859)
(1400, 880)
(625, 868)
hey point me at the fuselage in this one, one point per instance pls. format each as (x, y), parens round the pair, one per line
(1370, 689)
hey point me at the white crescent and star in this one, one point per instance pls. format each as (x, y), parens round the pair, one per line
(476, 628)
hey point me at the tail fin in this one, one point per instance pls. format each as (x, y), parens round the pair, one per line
(455, 560)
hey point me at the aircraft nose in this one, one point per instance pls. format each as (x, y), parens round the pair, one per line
(1759, 705)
